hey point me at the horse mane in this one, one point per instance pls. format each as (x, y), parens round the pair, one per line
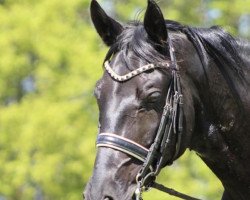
(216, 44)
(210, 43)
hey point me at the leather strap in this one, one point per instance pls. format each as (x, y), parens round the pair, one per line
(125, 145)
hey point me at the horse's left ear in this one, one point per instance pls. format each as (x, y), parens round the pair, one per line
(107, 28)
(154, 23)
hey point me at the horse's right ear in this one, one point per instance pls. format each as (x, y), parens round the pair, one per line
(107, 28)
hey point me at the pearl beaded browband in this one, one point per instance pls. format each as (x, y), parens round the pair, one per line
(133, 73)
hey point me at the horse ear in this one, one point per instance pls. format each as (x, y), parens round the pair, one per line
(107, 28)
(154, 23)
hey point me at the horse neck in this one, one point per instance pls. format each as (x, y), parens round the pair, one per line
(212, 93)
(244, 47)
(220, 134)
(217, 97)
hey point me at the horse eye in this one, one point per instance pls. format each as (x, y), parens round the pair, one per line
(153, 97)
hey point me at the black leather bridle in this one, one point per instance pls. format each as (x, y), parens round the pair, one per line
(168, 134)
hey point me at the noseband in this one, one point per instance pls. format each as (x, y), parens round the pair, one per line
(169, 132)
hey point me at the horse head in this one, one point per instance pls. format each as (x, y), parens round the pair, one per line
(167, 87)
(131, 109)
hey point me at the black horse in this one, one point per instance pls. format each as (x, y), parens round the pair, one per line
(206, 67)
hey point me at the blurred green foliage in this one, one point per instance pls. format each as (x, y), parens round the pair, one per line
(50, 59)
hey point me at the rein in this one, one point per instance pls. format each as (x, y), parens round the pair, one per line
(166, 146)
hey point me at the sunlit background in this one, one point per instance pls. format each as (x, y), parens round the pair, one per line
(50, 59)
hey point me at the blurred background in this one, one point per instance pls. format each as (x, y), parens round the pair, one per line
(50, 59)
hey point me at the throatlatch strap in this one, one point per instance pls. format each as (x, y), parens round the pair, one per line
(122, 144)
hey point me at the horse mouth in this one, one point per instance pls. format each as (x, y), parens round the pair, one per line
(110, 198)
(127, 196)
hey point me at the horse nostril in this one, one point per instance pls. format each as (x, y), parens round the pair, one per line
(134, 197)
(108, 198)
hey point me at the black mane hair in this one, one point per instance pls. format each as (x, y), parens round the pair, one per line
(210, 43)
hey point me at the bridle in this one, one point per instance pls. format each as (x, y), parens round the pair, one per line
(168, 134)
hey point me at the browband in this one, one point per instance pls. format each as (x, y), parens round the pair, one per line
(122, 144)
(133, 73)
